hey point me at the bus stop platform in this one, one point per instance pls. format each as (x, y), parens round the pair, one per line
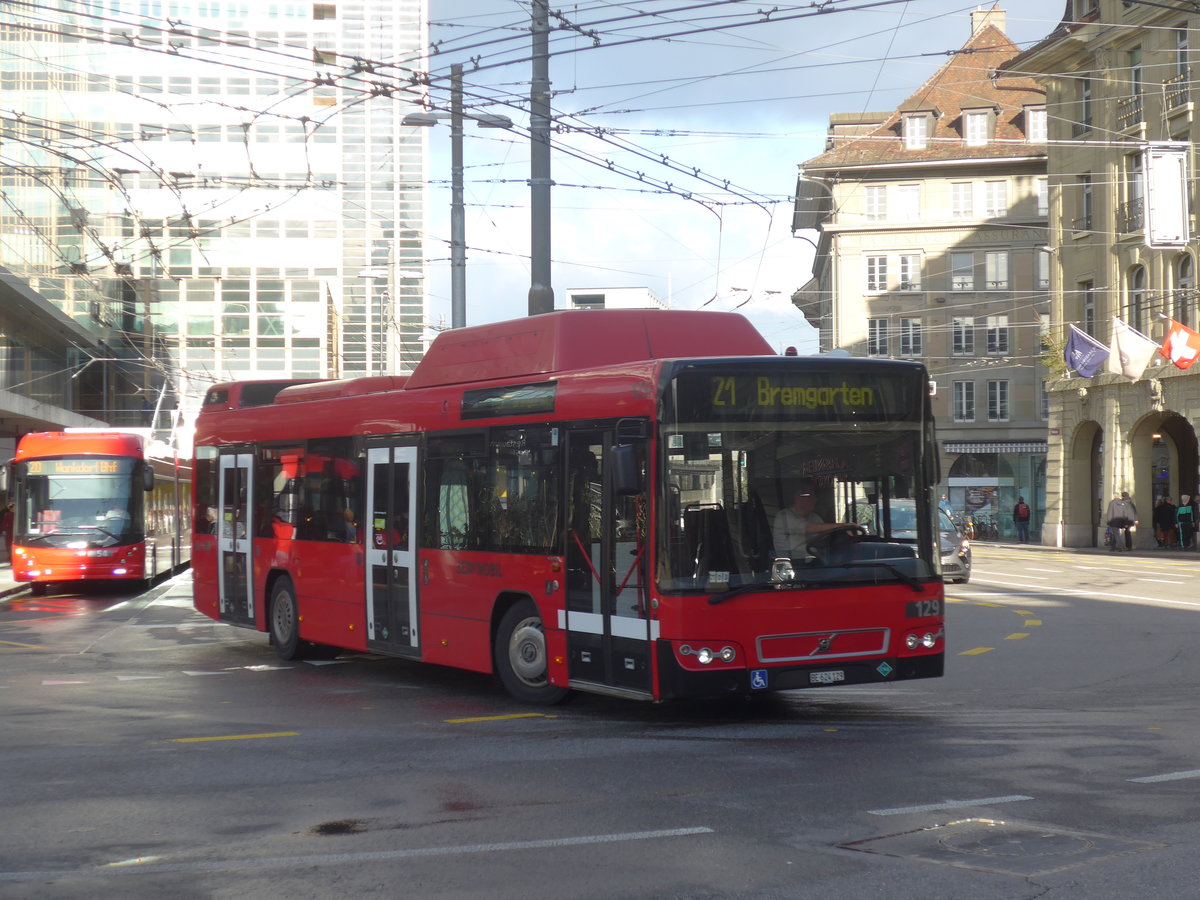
(7, 585)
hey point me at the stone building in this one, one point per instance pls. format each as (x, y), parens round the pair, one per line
(932, 246)
(1118, 79)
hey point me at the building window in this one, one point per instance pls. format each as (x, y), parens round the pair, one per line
(995, 195)
(997, 401)
(975, 128)
(876, 273)
(962, 271)
(964, 401)
(877, 337)
(1181, 51)
(1134, 57)
(1130, 212)
(910, 271)
(1043, 269)
(997, 335)
(1083, 115)
(1087, 291)
(876, 202)
(1044, 406)
(995, 264)
(1185, 289)
(1084, 221)
(962, 194)
(1135, 307)
(911, 343)
(963, 336)
(908, 202)
(1035, 124)
(1042, 186)
(916, 131)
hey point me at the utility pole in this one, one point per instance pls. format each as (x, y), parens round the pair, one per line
(458, 230)
(541, 292)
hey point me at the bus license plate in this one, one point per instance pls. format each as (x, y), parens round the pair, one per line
(826, 677)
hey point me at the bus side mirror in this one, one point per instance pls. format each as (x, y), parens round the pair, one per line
(626, 477)
(147, 477)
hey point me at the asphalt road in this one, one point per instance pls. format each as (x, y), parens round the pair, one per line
(147, 752)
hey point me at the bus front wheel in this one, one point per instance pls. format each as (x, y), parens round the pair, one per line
(285, 620)
(520, 656)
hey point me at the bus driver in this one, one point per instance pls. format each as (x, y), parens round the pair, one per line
(796, 525)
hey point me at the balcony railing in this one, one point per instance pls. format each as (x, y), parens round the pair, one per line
(1175, 89)
(1129, 111)
(1081, 223)
(1130, 215)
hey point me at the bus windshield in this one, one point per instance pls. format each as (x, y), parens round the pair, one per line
(836, 494)
(85, 501)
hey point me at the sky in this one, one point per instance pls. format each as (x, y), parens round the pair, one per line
(725, 92)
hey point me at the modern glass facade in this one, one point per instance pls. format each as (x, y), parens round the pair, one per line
(232, 174)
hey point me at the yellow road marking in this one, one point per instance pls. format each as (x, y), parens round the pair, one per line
(1017, 636)
(977, 651)
(1030, 623)
(233, 737)
(23, 646)
(992, 605)
(499, 718)
(1022, 612)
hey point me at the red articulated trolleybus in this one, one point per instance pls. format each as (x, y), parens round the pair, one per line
(97, 505)
(586, 500)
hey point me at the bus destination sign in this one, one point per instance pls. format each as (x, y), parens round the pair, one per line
(805, 395)
(77, 466)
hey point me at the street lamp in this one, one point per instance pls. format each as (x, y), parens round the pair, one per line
(458, 240)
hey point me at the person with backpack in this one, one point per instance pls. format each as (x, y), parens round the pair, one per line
(1165, 522)
(1121, 517)
(1185, 519)
(1021, 520)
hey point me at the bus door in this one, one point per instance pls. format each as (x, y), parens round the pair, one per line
(391, 556)
(609, 630)
(234, 530)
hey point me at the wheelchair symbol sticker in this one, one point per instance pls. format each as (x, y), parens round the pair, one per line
(758, 679)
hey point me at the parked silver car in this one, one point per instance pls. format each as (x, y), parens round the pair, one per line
(954, 546)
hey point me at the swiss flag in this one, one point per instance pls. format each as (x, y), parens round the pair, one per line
(1181, 345)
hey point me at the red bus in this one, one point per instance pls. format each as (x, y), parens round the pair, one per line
(97, 505)
(584, 500)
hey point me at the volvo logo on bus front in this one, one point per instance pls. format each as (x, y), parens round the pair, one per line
(824, 644)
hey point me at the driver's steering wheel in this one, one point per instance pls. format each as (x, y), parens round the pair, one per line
(839, 534)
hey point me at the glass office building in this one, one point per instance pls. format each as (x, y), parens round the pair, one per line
(226, 184)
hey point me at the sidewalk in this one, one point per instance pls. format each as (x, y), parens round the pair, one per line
(7, 585)
(1141, 552)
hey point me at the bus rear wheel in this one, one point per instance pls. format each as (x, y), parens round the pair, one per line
(285, 620)
(520, 657)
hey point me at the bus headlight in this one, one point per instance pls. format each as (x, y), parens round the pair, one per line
(927, 640)
(704, 656)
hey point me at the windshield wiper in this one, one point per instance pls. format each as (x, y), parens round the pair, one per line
(753, 586)
(903, 576)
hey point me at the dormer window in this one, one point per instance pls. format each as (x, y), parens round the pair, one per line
(977, 126)
(917, 128)
(1035, 124)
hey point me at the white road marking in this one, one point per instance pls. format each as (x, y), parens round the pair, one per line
(1173, 776)
(1078, 592)
(948, 804)
(154, 865)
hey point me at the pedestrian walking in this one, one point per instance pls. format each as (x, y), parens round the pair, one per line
(6, 528)
(1165, 522)
(1121, 517)
(1021, 520)
(1185, 519)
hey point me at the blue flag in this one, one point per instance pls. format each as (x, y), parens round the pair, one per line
(1083, 353)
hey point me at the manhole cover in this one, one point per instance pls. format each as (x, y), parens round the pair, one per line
(1005, 847)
